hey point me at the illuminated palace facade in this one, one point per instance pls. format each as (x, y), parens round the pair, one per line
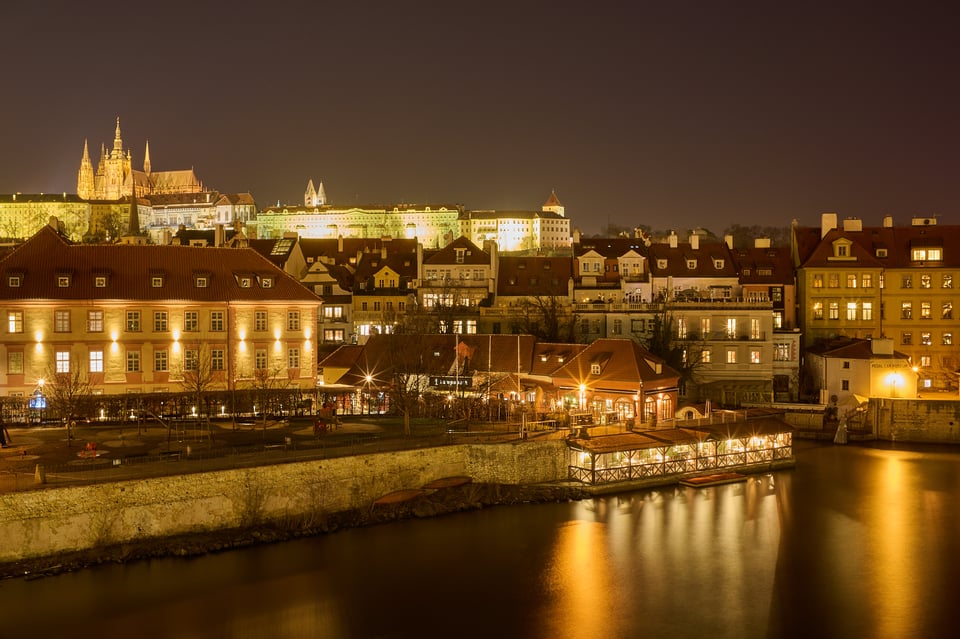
(134, 318)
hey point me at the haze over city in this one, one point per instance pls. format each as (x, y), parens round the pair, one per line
(666, 114)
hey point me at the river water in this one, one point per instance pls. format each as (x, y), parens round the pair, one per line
(853, 542)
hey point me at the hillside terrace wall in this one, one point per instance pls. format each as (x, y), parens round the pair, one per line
(61, 520)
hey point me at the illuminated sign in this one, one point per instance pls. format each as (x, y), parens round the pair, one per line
(448, 381)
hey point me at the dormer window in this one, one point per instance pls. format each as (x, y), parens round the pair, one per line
(100, 281)
(14, 281)
(881, 252)
(266, 282)
(156, 281)
(63, 281)
(201, 281)
(718, 264)
(661, 263)
(594, 369)
(925, 254)
(245, 282)
(691, 264)
(842, 249)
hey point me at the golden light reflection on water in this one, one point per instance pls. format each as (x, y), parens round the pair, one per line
(892, 512)
(580, 576)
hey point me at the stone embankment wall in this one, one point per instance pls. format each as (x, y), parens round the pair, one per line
(916, 420)
(63, 520)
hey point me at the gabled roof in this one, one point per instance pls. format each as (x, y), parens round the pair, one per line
(624, 365)
(552, 200)
(130, 271)
(342, 250)
(813, 252)
(610, 247)
(471, 254)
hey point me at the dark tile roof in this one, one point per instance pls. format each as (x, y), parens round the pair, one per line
(130, 270)
(472, 254)
(771, 265)
(530, 276)
(678, 257)
(623, 365)
(812, 251)
(610, 247)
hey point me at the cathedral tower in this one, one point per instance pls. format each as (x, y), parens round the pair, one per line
(85, 183)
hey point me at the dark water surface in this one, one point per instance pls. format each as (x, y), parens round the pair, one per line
(853, 542)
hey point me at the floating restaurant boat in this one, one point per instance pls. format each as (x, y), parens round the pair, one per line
(698, 448)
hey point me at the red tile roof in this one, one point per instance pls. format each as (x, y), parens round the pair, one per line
(130, 269)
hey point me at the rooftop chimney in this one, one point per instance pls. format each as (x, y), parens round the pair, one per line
(828, 222)
(694, 241)
(672, 239)
(888, 221)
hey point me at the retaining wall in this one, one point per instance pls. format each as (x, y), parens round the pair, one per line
(916, 420)
(60, 520)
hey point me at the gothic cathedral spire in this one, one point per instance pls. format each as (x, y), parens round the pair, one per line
(85, 182)
(146, 159)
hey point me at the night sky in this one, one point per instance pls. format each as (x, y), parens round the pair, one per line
(672, 114)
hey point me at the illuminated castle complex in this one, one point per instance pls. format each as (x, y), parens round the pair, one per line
(115, 178)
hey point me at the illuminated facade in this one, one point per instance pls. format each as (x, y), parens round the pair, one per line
(142, 318)
(23, 214)
(889, 281)
(546, 229)
(433, 225)
(115, 178)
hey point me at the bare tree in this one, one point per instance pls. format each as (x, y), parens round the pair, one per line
(264, 382)
(408, 374)
(69, 390)
(200, 373)
(547, 317)
(683, 354)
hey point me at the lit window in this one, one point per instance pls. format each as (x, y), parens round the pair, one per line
(293, 358)
(818, 280)
(925, 309)
(851, 280)
(754, 357)
(14, 281)
(100, 281)
(906, 310)
(851, 310)
(705, 356)
(160, 362)
(906, 281)
(947, 281)
(63, 361)
(866, 311)
(293, 321)
(731, 357)
(866, 280)
(947, 339)
(61, 321)
(926, 280)
(15, 321)
(833, 310)
(216, 320)
(834, 281)
(201, 281)
(818, 310)
(160, 321)
(266, 282)
(594, 369)
(96, 361)
(260, 321)
(260, 359)
(191, 321)
(216, 359)
(906, 338)
(156, 281)
(63, 281)
(191, 361)
(926, 338)
(94, 321)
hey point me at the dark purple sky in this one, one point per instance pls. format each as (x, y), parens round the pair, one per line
(667, 113)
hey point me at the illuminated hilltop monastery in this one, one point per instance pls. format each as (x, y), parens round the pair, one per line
(115, 178)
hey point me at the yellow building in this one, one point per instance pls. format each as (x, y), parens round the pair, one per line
(145, 318)
(23, 214)
(887, 281)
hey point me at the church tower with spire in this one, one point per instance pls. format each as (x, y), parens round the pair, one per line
(314, 197)
(85, 184)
